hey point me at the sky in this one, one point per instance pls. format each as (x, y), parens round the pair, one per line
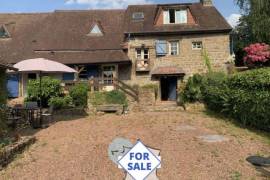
(227, 7)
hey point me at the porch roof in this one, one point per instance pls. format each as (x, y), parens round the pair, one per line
(168, 70)
(5, 66)
(80, 56)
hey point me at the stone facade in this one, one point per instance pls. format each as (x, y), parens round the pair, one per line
(190, 60)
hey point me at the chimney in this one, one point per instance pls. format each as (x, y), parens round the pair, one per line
(206, 2)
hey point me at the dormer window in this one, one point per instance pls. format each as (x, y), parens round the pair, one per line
(4, 32)
(96, 31)
(175, 16)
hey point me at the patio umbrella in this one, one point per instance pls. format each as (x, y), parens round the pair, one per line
(41, 65)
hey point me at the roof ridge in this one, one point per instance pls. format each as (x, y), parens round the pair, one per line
(87, 10)
(25, 13)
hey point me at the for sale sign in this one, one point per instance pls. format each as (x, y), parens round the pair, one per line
(139, 162)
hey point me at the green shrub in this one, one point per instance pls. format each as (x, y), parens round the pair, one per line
(79, 94)
(3, 95)
(207, 60)
(60, 102)
(97, 98)
(258, 79)
(3, 126)
(50, 87)
(3, 98)
(112, 97)
(116, 97)
(240, 98)
(192, 90)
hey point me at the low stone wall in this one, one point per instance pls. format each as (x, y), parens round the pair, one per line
(147, 97)
(106, 108)
(8, 153)
(71, 112)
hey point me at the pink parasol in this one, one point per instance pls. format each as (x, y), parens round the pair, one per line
(42, 65)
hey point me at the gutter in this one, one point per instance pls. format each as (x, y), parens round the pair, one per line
(3, 66)
(179, 32)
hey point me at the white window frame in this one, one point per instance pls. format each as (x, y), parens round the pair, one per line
(170, 48)
(142, 54)
(197, 45)
(166, 16)
(114, 73)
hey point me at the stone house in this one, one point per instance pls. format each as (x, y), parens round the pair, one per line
(144, 44)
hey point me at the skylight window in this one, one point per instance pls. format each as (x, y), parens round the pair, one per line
(3, 32)
(138, 16)
(96, 31)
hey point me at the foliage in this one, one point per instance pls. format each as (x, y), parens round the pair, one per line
(60, 102)
(112, 97)
(192, 90)
(116, 97)
(3, 95)
(257, 79)
(50, 87)
(79, 94)
(207, 60)
(3, 98)
(256, 13)
(5, 141)
(253, 27)
(257, 54)
(244, 97)
(97, 98)
(3, 126)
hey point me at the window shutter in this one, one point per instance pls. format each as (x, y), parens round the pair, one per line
(161, 47)
(183, 16)
(68, 76)
(166, 17)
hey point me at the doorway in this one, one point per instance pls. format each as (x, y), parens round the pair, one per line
(168, 87)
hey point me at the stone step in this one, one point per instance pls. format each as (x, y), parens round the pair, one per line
(161, 107)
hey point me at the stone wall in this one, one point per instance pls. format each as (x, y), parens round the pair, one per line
(191, 61)
(9, 152)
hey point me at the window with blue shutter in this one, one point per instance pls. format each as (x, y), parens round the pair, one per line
(68, 76)
(161, 47)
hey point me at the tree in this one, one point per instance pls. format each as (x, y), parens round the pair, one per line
(253, 27)
(256, 16)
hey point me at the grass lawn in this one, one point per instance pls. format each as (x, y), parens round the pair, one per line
(77, 149)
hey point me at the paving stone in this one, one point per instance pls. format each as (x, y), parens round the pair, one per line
(213, 138)
(185, 128)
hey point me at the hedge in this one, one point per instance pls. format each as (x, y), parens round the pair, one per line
(244, 97)
(3, 98)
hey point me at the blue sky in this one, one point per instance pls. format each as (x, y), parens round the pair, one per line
(228, 8)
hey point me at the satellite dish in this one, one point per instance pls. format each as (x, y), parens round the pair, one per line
(119, 147)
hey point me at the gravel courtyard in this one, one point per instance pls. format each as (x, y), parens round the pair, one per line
(77, 149)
